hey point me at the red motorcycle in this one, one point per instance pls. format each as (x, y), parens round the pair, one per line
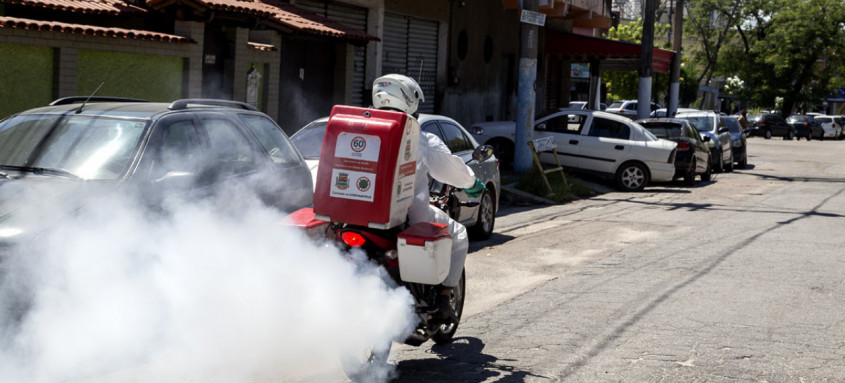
(383, 247)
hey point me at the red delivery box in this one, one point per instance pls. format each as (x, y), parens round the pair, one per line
(367, 167)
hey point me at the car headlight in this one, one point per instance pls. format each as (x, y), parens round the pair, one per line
(737, 144)
(476, 130)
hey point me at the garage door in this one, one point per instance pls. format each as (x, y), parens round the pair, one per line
(410, 48)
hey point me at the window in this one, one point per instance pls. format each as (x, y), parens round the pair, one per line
(564, 123)
(610, 129)
(178, 148)
(432, 128)
(274, 142)
(455, 139)
(228, 148)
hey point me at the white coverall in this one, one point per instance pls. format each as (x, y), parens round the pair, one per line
(436, 159)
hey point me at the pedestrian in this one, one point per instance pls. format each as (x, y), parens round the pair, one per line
(743, 120)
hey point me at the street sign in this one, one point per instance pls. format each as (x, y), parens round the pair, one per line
(531, 17)
(544, 144)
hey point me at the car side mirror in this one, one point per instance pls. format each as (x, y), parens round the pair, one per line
(482, 153)
(541, 126)
(723, 130)
(705, 138)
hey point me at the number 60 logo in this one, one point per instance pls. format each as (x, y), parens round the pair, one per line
(358, 144)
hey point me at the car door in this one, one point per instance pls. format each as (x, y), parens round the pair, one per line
(565, 129)
(604, 144)
(702, 153)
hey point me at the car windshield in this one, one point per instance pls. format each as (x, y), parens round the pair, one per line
(702, 123)
(664, 129)
(755, 117)
(309, 140)
(92, 148)
(824, 119)
(792, 119)
(615, 105)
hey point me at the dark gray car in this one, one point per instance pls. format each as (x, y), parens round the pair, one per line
(739, 143)
(710, 124)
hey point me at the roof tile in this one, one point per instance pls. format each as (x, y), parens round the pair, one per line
(284, 14)
(99, 7)
(120, 33)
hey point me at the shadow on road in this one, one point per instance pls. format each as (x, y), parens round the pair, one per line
(461, 361)
(495, 240)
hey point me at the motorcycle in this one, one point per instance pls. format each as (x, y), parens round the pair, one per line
(380, 246)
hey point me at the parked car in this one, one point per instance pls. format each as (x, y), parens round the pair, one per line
(662, 112)
(582, 105)
(146, 153)
(831, 128)
(768, 125)
(806, 126)
(608, 145)
(739, 143)
(693, 157)
(628, 108)
(711, 124)
(477, 214)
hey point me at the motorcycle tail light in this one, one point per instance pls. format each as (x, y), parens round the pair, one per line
(353, 239)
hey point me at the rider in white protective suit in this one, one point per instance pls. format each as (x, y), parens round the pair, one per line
(398, 92)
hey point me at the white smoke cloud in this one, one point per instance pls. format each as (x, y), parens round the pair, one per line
(196, 294)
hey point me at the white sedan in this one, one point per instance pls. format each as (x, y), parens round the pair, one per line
(595, 142)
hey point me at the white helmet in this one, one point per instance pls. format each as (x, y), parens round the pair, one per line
(396, 91)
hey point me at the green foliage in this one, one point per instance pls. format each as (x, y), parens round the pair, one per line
(26, 79)
(625, 85)
(781, 48)
(152, 78)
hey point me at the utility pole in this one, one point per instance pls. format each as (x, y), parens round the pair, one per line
(526, 91)
(675, 79)
(644, 91)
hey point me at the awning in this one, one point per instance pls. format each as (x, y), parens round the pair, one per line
(613, 55)
(275, 11)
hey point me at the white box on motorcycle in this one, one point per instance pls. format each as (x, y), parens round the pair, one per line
(367, 167)
(425, 253)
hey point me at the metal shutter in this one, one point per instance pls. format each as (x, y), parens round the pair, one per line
(410, 48)
(355, 17)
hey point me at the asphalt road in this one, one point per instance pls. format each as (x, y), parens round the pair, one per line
(739, 279)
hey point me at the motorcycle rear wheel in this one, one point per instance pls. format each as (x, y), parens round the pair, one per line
(446, 332)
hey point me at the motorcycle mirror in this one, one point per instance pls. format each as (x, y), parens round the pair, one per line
(482, 153)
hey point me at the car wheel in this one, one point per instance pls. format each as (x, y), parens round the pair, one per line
(689, 178)
(631, 176)
(503, 149)
(730, 166)
(483, 227)
(810, 136)
(707, 174)
(789, 135)
(768, 134)
(743, 163)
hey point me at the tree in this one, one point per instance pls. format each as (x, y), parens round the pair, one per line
(781, 48)
(710, 22)
(623, 85)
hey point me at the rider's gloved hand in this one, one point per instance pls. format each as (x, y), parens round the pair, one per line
(476, 189)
